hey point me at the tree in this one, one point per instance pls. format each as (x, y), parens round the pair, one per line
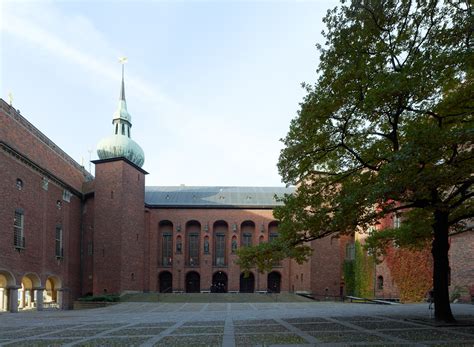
(387, 128)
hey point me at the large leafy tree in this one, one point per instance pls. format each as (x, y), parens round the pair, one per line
(387, 128)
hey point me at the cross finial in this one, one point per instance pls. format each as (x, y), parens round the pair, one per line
(10, 98)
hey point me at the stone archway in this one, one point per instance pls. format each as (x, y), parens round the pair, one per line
(52, 293)
(193, 282)
(219, 282)
(274, 282)
(165, 280)
(28, 293)
(247, 284)
(7, 281)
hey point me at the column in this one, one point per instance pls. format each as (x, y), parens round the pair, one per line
(13, 300)
(39, 298)
(62, 298)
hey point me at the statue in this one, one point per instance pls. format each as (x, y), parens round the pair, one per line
(234, 245)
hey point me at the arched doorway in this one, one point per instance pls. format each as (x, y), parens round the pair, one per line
(165, 280)
(26, 294)
(193, 282)
(50, 294)
(247, 284)
(219, 282)
(274, 282)
(6, 280)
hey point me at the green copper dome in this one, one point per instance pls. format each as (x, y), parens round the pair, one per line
(119, 144)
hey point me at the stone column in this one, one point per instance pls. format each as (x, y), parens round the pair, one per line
(39, 298)
(62, 298)
(13, 299)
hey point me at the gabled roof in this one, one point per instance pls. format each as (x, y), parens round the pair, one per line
(214, 197)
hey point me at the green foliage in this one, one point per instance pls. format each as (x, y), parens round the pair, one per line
(101, 298)
(387, 127)
(359, 274)
(363, 272)
(349, 277)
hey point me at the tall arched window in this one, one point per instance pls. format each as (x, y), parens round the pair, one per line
(380, 283)
(166, 232)
(247, 230)
(193, 229)
(220, 233)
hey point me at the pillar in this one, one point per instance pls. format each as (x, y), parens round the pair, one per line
(62, 295)
(13, 299)
(39, 298)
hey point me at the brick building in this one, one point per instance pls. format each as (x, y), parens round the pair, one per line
(66, 233)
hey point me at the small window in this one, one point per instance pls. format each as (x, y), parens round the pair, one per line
(59, 242)
(59, 204)
(350, 251)
(67, 195)
(380, 283)
(123, 129)
(397, 221)
(18, 229)
(116, 129)
(19, 184)
(45, 183)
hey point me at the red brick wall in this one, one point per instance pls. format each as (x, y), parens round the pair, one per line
(119, 228)
(461, 254)
(206, 269)
(41, 216)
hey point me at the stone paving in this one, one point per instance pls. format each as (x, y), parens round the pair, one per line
(235, 324)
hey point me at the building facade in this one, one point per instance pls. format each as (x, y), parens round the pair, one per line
(66, 234)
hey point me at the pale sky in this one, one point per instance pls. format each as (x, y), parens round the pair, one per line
(211, 86)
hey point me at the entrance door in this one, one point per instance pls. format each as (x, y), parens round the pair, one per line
(166, 282)
(274, 282)
(247, 284)
(193, 282)
(219, 282)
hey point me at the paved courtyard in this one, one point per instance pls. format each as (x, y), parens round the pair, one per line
(235, 324)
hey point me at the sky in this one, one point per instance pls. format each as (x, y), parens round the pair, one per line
(211, 85)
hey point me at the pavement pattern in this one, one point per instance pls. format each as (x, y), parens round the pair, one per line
(236, 324)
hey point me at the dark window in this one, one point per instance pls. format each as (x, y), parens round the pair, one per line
(350, 251)
(18, 225)
(247, 239)
(167, 249)
(220, 249)
(193, 249)
(380, 283)
(19, 184)
(59, 242)
(123, 129)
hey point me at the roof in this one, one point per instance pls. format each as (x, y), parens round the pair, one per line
(214, 197)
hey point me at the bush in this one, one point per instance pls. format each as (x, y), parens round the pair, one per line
(101, 298)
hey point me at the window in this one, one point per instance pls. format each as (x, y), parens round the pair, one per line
(380, 283)
(247, 239)
(44, 183)
(350, 251)
(397, 221)
(193, 249)
(67, 195)
(167, 249)
(19, 184)
(220, 249)
(116, 129)
(123, 129)
(58, 204)
(18, 224)
(59, 242)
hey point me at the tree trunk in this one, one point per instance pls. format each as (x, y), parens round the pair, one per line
(440, 248)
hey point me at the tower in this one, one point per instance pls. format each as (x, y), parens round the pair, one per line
(119, 219)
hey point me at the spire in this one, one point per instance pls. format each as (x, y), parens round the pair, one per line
(122, 61)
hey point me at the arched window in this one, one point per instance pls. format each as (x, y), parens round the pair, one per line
(166, 231)
(380, 282)
(247, 231)
(220, 232)
(193, 230)
(19, 184)
(123, 129)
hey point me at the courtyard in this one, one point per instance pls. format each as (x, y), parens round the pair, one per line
(236, 324)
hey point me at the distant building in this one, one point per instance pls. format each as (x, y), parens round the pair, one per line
(65, 233)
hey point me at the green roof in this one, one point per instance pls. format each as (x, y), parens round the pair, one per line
(214, 197)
